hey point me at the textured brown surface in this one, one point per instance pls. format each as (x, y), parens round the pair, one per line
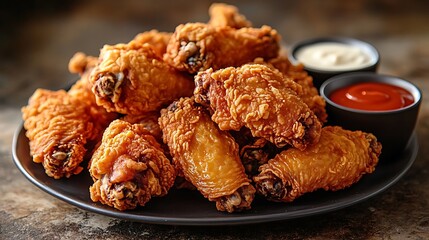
(38, 39)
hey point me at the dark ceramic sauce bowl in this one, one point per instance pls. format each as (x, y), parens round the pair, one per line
(393, 128)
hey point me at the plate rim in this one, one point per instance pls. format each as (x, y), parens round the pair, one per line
(413, 146)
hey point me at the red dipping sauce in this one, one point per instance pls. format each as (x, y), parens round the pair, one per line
(372, 96)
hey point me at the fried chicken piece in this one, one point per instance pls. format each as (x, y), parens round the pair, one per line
(58, 128)
(136, 81)
(149, 122)
(337, 161)
(254, 152)
(310, 94)
(82, 95)
(81, 91)
(207, 156)
(82, 64)
(222, 15)
(63, 126)
(157, 40)
(129, 167)
(197, 46)
(261, 99)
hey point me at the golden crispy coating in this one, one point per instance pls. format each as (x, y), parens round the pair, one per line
(149, 122)
(198, 46)
(81, 63)
(81, 91)
(136, 81)
(129, 167)
(61, 126)
(337, 161)
(157, 40)
(207, 157)
(58, 128)
(310, 94)
(222, 15)
(83, 96)
(261, 99)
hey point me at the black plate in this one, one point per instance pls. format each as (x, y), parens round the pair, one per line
(184, 207)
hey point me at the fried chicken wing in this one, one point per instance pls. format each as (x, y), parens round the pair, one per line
(149, 122)
(156, 40)
(222, 15)
(81, 63)
(337, 161)
(136, 81)
(198, 46)
(58, 128)
(62, 126)
(207, 156)
(261, 99)
(129, 167)
(310, 94)
(81, 91)
(254, 152)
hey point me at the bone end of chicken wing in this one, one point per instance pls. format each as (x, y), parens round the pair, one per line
(136, 81)
(195, 47)
(58, 128)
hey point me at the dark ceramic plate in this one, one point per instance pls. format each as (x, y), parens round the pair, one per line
(184, 207)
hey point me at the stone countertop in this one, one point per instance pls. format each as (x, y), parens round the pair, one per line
(37, 40)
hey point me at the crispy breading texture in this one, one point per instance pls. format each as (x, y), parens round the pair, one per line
(136, 81)
(310, 94)
(261, 99)
(207, 156)
(81, 63)
(149, 122)
(81, 91)
(222, 15)
(198, 46)
(58, 128)
(129, 167)
(338, 160)
(156, 40)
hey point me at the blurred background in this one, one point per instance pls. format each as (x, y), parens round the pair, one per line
(38, 37)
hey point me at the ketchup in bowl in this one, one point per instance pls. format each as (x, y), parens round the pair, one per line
(386, 106)
(372, 96)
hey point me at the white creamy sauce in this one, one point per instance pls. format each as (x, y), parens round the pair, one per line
(333, 56)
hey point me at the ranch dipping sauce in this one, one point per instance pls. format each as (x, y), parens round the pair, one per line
(333, 56)
(372, 96)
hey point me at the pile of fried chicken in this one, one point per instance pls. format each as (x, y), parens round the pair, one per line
(216, 107)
